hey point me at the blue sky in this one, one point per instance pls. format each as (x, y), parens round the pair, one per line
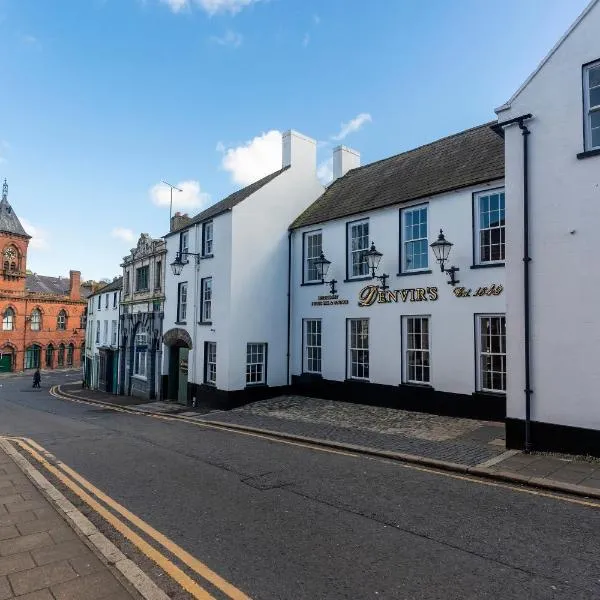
(101, 99)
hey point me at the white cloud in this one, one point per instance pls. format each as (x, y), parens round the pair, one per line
(124, 234)
(29, 39)
(306, 40)
(191, 196)
(325, 171)
(176, 5)
(39, 236)
(230, 38)
(352, 126)
(316, 19)
(212, 7)
(254, 159)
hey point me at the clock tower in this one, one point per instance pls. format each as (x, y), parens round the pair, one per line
(14, 241)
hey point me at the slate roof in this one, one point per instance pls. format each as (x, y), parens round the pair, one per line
(57, 286)
(467, 158)
(113, 286)
(9, 222)
(230, 201)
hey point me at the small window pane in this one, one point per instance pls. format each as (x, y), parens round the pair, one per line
(595, 97)
(594, 76)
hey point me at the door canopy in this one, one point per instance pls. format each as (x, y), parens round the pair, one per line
(178, 338)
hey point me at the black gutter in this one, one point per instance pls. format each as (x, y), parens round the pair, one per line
(499, 129)
(289, 306)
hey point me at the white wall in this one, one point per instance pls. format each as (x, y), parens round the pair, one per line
(260, 269)
(564, 219)
(452, 318)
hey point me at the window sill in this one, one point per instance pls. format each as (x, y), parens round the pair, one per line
(306, 283)
(356, 380)
(589, 153)
(210, 384)
(255, 385)
(204, 322)
(139, 377)
(487, 266)
(142, 291)
(490, 394)
(180, 323)
(408, 273)
(205, 256)
(350, 279)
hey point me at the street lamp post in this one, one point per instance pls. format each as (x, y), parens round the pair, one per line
(173, 187)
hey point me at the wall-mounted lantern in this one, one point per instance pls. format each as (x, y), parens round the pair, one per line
(441, 250)
(373, 260)
(178, 264)
(322, 267)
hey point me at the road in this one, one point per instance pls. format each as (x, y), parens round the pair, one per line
(282, 521)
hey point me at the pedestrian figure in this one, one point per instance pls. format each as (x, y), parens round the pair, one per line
(37, 378)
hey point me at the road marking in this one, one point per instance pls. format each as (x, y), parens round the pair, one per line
(171, 569)
(424, 469)
(497, 459)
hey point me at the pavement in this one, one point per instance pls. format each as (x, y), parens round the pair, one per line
(478, 446)
(41, 555)
(282, 519)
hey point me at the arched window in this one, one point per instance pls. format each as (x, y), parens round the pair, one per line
(61, 355)
(8, 320)
(6, 265)
(32, 357)
(13, 266)
(61, 321)
(49, 356)
(70, 351)
(36, 319)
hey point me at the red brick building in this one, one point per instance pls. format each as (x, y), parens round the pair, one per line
(43, 318)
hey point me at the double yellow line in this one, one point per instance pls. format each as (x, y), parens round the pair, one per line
(101, 502)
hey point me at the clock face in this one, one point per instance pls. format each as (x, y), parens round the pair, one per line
(10, 253)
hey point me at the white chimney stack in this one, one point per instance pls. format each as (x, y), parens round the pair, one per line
(344, 159)
(299, 151)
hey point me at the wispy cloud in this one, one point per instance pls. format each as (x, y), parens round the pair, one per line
(30, 40)
(316, 19)
(254, 159)
(39, 235)
(124, 234)
(192, 197)
(230, 38)
(306, 40)
(352, 126)
(211, 7)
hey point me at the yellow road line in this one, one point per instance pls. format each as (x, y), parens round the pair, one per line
(192, 562)
(184, 580)
(356, 454)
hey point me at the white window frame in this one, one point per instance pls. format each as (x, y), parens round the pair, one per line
(210, 357)
(590, 110)
(207, 238)
(356, 252)
(36, 323)
(406, 242)
(113, 333)
(184, 244)
(313, 346)
(106, 300)
(416, 354)
(478, 229)
(312, 251)
(256, 363)
(182, 289)
(97, 333)
(140, 356)
(206, 300)
(356, 349)
(106, 333)
(8, 320)
(486, 352)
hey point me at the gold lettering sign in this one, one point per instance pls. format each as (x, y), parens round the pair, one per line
(371, 294)
(491, 290)
(331, 300)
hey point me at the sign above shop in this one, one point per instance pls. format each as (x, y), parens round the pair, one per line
(492, 290)
(372, 294)
(330, 300)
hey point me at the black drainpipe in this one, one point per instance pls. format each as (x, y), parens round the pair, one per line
(289, 305)
(499, 129)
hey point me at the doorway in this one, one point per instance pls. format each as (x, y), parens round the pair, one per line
(183, 376)
(5, 362)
